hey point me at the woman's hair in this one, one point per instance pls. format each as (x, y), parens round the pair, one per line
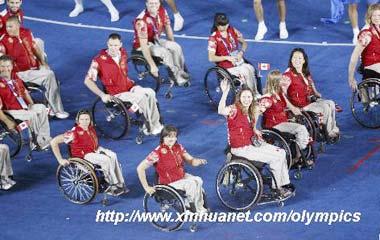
(252, 108)
(166, 132)
(305, 67)
(273, 82)
(83, 112)
(370, 11)
(220, 19)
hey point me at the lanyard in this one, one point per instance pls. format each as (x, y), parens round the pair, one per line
(232, 43)
(12, 87)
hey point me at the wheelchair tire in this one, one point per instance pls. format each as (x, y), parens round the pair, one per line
(111, 119)
(139, 71)
(212, 81)
(275, 138)
(234, 188)
(12, 138)
(77, 181)
(367, 115)
(166, 201)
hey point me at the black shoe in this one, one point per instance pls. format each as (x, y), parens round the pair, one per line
(289, 186)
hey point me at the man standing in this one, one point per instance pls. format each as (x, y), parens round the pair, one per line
(112, 68)
(149, 25)
(15, 100)
(30, 64)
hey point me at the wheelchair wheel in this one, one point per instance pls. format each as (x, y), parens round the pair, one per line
(212, 81)
(138, 71)
(12, 138)
(239, 185)
(311, 122)
(367, 113)
(277, 140)
(111, 119)
(168, 202)
(77, 181)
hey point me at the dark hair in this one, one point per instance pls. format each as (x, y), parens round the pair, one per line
(220, 19)
(305, 67)
(14, 18)
(83, 112)
(6, 58)
(166, 132)
(114, 36)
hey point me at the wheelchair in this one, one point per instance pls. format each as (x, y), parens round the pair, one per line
(171, 201)
(287, 142)
(15, 140)
(10, 137)
(242, 184)
(212, 81)
(81, 180)
(113, 121)
(365, 103)
(139, 71)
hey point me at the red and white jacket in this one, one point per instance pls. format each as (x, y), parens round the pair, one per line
(240, 128)
(299, 88)
(370, 39)
(275, 111)
(81, 141)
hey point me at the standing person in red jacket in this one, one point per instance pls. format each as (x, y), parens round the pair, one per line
(30, 64)
(83, 143)
(169, 159)
(368, 47)
(149, 25)
(302, 93)
(223, 49)
(274, 104)
(112, 68)
(241, 122)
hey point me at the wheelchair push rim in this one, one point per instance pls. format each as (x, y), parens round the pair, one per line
(239, 185)
(139, 71)
(275, 139)
(111, 119)
(166, 201)
(212, 81)
(367, 114)
(77, 181)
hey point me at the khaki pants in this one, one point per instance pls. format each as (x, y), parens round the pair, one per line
(107, 160)
(145, 98)
(192, 185)
(246, 74)
(275, 157)
(299, 130)
(5, 162)
(38, 121)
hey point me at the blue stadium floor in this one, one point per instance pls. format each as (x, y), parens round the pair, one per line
(35, 209)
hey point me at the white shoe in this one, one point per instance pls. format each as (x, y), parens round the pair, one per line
(178, 22)
(10, 181)
(2, 2)
(62, 115)
(77, 10)
(5, 185)
(114, 16)
(261, 31)
(283, 31)
(157, 130)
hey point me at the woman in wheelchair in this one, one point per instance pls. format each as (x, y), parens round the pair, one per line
(301, 92)
(241, 122)
(274, 105)
(368, 47)
(169, 159)
(223, 49)
(83, 144)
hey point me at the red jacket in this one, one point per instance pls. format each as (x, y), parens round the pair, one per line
(298, 91)
(170, 166)
(21, 50)
(154, 26)
(8, 100)
(83, 141)
(4, 17)
(371, 53)
(224, 46)
(113, 76)
(275, 114)
(240, 130)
